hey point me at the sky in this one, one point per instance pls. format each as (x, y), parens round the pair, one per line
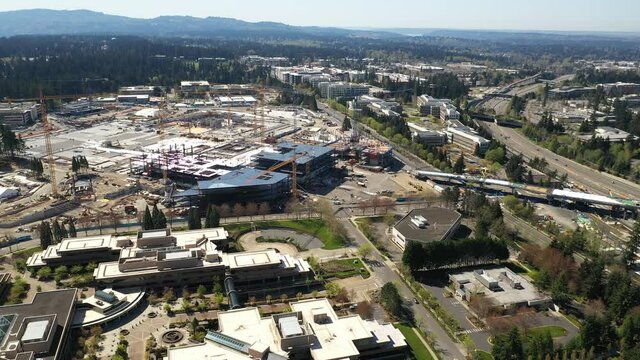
(558, 15)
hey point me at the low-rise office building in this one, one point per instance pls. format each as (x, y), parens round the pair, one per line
(16, 115)
(465, 137)
(39, 329)
(194, 88)
(236, 101)
(137, 90)
(334, 90)
(83, 250)
(426, 136)
(425, 225)
(133, 99)
(312, 330)
(571, 93)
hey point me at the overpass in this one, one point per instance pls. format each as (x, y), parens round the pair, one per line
(550, 194)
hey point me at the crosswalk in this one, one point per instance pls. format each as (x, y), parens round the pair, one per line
(471, 331)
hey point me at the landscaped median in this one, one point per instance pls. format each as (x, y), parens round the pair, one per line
(419, 349)
(314, 227)
(342, 268)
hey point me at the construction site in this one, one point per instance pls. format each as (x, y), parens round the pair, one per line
(176, 152)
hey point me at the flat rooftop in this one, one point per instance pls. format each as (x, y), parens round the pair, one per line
(506, 295)
(335, 341)
(48, 314)
(439, 221)
(247, 325)
(253, 258)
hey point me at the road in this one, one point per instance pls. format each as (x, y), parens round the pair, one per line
(384, 271)
(596, 182)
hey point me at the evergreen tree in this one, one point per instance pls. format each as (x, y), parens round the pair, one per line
(540, 345)
(212, 219)
(195, 221)
(162, 220)
(72, 229)
(63, 231)
(508, 346)
(57, 232)
(45, 234)
(74, 165)
(632, 246)
(147, 220)
(458, 167)
(346, 123)
(155, 217)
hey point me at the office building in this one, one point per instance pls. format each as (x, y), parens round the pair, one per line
(137, 90)
(312, 330)
(500, 286)
(335, 90)
(159, 258)
(39, 329)
(619, 89)
(426, 225)
(610, 133)
(16, 115)
(83, 250)
(236, 101)
(427, 136)
(194, 88)
(465, 137)
(133, 99)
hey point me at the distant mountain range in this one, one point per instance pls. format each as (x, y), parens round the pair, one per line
(53, 22)
(85, 22)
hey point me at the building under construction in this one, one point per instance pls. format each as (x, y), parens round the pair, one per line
(311, 162)
(239, 186)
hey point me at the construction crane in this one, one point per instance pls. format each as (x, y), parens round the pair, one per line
(294, 171)
(47, 137)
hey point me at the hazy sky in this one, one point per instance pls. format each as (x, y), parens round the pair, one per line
(584, 15)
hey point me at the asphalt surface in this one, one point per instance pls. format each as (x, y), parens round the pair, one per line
(383, 270)
(593, 180)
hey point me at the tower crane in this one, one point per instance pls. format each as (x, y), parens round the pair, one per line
(47, 137)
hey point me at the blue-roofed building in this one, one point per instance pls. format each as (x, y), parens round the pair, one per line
(312, 161)
(243, 185)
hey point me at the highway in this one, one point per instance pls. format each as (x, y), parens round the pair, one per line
(590, 179)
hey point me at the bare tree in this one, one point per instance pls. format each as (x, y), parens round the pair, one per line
(238, 210)
(264, 209)
(224, 210)
(252, 209)
(364, 309)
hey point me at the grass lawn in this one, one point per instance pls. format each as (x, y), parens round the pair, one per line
(343, 268)
(418, 349)
(482, 355)
(556, 331)
(315, 227)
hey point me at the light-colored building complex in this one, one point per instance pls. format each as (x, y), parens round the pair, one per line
(159, 258)
(427, 136)
(465, 137)
(133, 99)
(236, 101)
(188, 88)
(137, 90)
(439, 108)
(334, 90)
(312, 330)
(18, 114)
(610, 133)
(500, 286)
